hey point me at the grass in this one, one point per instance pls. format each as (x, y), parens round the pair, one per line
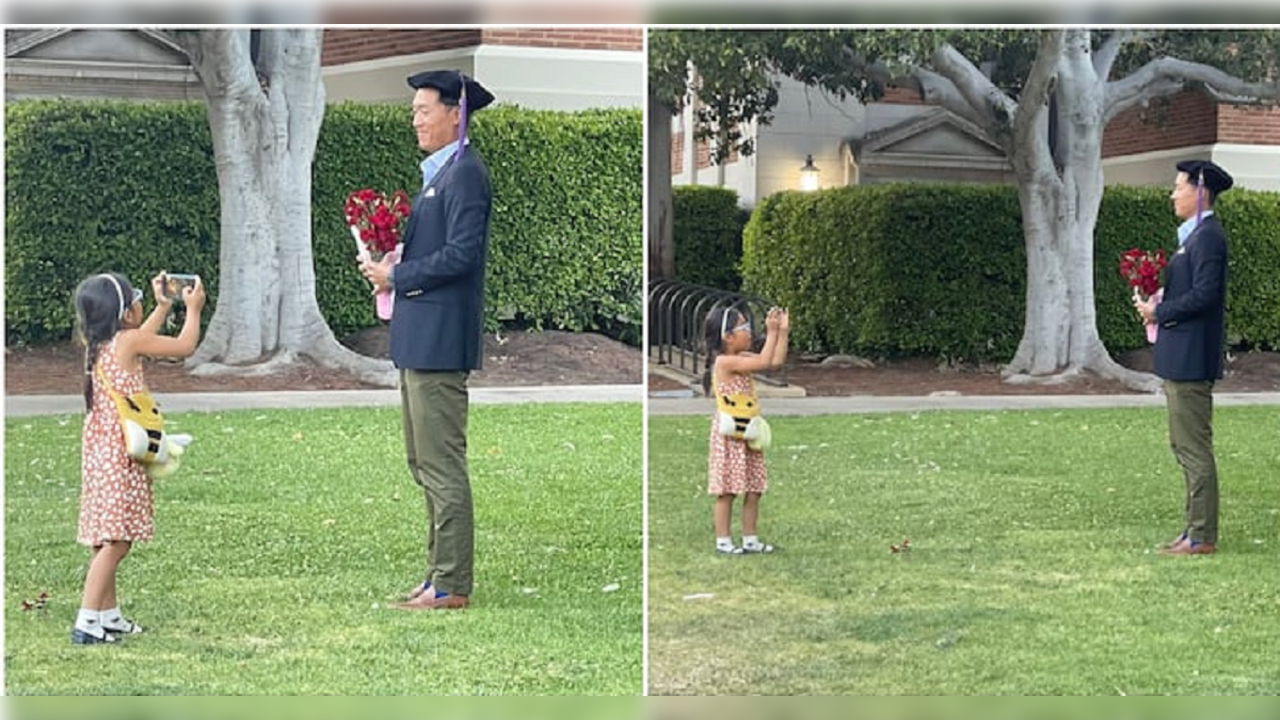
(1033, 567)
(285, 534)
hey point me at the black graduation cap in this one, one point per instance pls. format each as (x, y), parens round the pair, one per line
(449, 84)
(1203, 172)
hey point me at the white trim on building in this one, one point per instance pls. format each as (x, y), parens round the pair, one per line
(1256, 167)
(531, 77)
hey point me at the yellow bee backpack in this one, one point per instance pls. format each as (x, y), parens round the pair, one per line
(142, 426)
(738, 416)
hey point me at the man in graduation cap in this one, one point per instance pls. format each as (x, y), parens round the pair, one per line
(437, 324)
(1189, 345)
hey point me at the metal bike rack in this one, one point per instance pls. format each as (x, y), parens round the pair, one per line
(677, 317)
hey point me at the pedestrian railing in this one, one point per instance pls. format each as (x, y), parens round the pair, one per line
(677, 318)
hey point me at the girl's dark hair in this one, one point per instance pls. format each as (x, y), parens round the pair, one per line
(98, 311)
(713, 330)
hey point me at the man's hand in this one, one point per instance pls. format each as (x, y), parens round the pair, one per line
(1146, 308)
(377, 272)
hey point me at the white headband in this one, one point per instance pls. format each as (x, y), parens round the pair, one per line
(119, 292)
(724, 321)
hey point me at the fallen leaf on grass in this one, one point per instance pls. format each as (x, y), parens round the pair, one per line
(38, 604)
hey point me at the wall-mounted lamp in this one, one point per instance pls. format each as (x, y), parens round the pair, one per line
(809, 175)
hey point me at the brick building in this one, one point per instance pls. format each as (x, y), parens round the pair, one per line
(547, 68)
(1143, 143)
(900, 138)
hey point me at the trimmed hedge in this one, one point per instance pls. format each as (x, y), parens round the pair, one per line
(940, 270)
(707, 228)
(94, 185)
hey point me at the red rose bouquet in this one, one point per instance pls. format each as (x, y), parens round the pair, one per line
(376, 222)
(1141, 269)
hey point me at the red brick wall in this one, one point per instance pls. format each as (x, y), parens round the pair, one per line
(703, 154)
(901, 96)
(677, 152)
(571, 38)
(1188, 118)
(1249, 125)
(344, 46)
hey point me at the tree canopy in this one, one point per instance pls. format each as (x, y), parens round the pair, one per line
(737, 70)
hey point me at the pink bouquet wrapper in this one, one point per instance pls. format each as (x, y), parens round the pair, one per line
(384, 300)
(1152, 328)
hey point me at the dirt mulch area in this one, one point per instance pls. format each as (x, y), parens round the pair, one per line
(517, 358)
(560, 358)
(1246, 372)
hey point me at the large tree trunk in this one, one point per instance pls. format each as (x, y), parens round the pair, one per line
(662, 255)
(1059, 190)
(1060, 330)
(1059, 212)
(265, 120)
(1060, 183)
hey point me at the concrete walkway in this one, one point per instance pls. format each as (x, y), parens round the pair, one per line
(877, 404)
(23, 405)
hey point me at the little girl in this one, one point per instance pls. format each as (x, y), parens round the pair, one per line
(115, 497)
(734, 468)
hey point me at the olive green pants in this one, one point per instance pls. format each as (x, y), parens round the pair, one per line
(434, 411)
(1191, 437)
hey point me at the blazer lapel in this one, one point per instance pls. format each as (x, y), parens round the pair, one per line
(436, 180)
(420, 197)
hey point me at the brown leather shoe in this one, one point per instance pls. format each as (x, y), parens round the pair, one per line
(452, 602)
(1188, 547)
(427, 601)
(417, 591)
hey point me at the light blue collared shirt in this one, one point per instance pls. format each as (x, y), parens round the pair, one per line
(435, 162)
(1189, 226)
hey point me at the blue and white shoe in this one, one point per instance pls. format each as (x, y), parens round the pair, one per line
(83, 637)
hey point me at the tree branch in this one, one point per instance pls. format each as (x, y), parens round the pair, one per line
(935, 88)
(989, 103)
(221, 60)
(1029, 120)
(1165, 76)
(876, 72)
(1105, 58)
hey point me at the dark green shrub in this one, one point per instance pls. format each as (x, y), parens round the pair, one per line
(707, 227)
(132, 187)
(940, 270)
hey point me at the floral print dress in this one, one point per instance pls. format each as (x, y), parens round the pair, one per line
(732, 467)
(116, 501)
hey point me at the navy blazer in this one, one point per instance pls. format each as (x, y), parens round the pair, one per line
(438, 319)
(1192, 315)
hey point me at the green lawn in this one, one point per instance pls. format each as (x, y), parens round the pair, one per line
(1032, 570)
(286, 533)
